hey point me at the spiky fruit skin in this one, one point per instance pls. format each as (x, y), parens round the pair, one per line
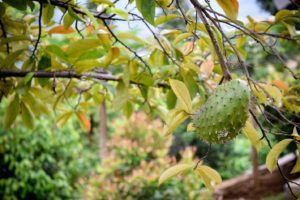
(224, 114)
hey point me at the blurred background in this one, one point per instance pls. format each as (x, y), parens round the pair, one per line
(124, 162)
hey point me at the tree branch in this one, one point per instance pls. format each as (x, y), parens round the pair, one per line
(69, 75)
(222, 61)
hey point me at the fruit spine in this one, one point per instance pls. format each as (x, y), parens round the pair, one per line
(224, 114)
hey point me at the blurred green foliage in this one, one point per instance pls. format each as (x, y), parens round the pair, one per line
(43, 163)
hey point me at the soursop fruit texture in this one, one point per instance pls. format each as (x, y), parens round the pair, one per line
(225, 112)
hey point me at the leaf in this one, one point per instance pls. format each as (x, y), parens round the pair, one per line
(11, 112)
(252, 134)
(206, 68)
(48, 12)
(18, 4)
(182, 94)
(171, 99)
(147, 8)
(84, 120)
(56, 51)
(26, 115)
(143, 78)
(11, 59)
(68, 20)
(165, 18)
(175, 118)
(80, 46)
(275, 152)
(296, 168)
(281, 85)
(60, 30)
(295, 134)
(181, 37)
(230, 7)
(63, 118)
(190, 127)
(264, 92)
(173, 171)
(121, 13)
(2, 9)
(210, 176)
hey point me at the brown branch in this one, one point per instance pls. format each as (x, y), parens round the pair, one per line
(69, 75)
(223, 64)
(40, 28)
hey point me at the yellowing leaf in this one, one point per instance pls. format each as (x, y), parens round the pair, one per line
(296, 168)
(84, 120)
(210, 176)
(264, 92)
(121, 13)
(183, 95)
(181, 37)
(81, 46)
(175, 118)
(64, 118)
(275, 152)
(173, 171)
(26, 115)
(206, 68)
(281, 85)
(230, 7)
(61, 30)
(11, 112)
(165, 18)
(251, 133)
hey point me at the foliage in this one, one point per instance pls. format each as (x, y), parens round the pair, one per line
(42, 163)
(85, 58)
(137, 156)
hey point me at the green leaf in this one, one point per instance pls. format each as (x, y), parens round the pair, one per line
(44, 63)
(56, 51)
(252, 134)
(48, 12)
(275, 152)
(181, 37)
(18, 4)
(68, 20)
(121, 13)
(81, 46)
(173, 171)
(210, 176)
(2, 9)
(63, 118)
(182, 94)
(147, 8)
(26, 115)
(143, 78)
(175, 118)
(171, 99)
(11, 112)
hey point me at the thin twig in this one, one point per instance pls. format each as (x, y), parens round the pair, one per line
(4, 35)
(40, 29)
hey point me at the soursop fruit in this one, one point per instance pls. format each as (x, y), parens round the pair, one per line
(224, 114)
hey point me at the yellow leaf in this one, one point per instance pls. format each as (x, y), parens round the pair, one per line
(26, 115)
(296, 168)
(11, 112)
(60, 30)
(81, 46)
(295, 134)
(63, 118)
(210, 176)
(275, 152)
(175, 118)
(183, 95)
(264, 92)
(181, 37)
(173, 171)
(251, 133)
(165, 18)
(230, 7)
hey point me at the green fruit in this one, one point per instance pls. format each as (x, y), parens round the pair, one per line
(224, 114)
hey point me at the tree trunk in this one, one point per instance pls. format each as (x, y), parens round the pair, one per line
(103, 130)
